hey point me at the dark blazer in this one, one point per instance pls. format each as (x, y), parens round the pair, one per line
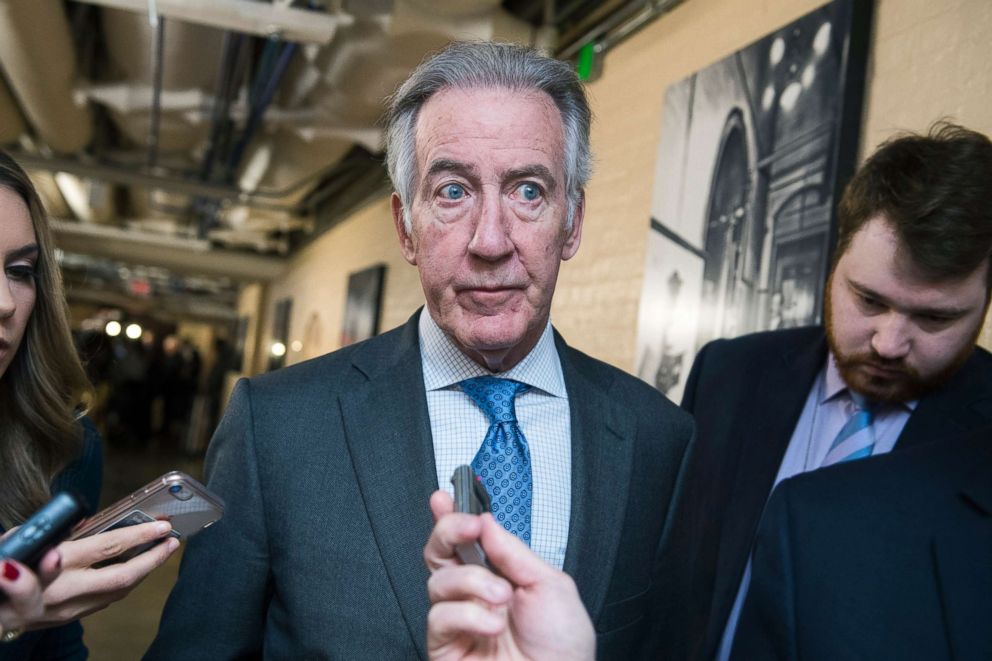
(746, 395)
(65, 643)
(326, 468)
(886, 558)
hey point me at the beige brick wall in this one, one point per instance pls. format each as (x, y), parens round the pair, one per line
(929, 59)
(317, 282)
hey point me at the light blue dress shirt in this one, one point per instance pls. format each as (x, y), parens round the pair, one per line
(827, 409)
(459, 426)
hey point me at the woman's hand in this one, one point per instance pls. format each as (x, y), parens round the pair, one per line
(82, 589)
(24, 604)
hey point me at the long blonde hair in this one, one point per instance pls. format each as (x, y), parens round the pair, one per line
(45, 382)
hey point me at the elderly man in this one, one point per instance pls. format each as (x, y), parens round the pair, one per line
(327, 466)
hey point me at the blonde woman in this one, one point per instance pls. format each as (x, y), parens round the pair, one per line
(46, 445)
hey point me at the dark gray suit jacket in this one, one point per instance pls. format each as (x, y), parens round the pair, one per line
(886, 558)
(746, 395)
(326, 468)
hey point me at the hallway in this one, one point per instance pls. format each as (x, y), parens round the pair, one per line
(124, 630)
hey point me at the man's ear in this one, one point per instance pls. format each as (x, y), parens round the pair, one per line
(574, 236)
(407, 246)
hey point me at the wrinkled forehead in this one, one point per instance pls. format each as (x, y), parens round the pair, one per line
(489, 118)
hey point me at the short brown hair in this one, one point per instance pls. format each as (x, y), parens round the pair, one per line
(936, 192)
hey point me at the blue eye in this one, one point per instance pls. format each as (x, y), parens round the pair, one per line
(529, 192)
(453, 192)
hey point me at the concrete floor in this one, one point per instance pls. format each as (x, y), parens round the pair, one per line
(124, 630)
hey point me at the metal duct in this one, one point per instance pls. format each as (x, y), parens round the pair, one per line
(179, 255)
(11, 123)
(37, 56)
(192, 54)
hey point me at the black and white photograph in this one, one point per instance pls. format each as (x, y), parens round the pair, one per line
(752, 152)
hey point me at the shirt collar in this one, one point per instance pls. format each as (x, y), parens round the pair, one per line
(445, 365)
(834, 386)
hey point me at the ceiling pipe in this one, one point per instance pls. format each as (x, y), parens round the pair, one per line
(259, 107)
(134, 176)
(188, 256)
(158, 64)
(226, 88)
(11, 122)
(172, 308)
(257, 18)
(37, 56)
(619, 25)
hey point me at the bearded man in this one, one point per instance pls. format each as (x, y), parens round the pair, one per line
(895, 366)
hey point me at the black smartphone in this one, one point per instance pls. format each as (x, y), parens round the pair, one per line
(471, 497)
(44, 530)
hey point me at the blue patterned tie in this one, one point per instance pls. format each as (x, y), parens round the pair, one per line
(856, 439)
(503, 461)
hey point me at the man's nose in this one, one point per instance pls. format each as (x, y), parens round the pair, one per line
(893, 337)
(491, 238)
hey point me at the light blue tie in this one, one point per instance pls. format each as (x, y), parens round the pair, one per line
(503, 461)
(856, 439)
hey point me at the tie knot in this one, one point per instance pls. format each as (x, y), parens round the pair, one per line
(494, 396)
(863, 404)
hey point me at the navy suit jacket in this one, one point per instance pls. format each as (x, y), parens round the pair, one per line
(747, 395)
(886, 558)
(326, 468)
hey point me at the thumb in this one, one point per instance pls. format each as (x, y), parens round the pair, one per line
(510, 556)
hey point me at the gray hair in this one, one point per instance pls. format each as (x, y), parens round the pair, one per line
(467, 65)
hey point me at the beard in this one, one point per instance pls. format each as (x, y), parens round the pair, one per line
(901, 382)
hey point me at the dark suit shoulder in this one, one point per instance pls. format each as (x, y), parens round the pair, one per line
(335, 371)
(727, 369)
(914, 477)
(765, 342)
(975, 376)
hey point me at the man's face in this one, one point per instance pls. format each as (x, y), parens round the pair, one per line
(488, 218)
(18, 289)
(895, 334)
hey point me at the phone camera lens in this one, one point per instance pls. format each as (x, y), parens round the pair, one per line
(179, 493)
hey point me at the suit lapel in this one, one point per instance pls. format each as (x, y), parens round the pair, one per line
(963, 404)
(602, 451)
(765, 421)
(389, 437)
(963, 555)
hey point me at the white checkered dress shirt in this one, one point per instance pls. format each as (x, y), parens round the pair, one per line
(459, 426)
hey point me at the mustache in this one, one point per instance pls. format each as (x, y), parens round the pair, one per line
(872, 359)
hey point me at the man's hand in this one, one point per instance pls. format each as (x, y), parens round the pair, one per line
(532, 612)
(81, 589)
